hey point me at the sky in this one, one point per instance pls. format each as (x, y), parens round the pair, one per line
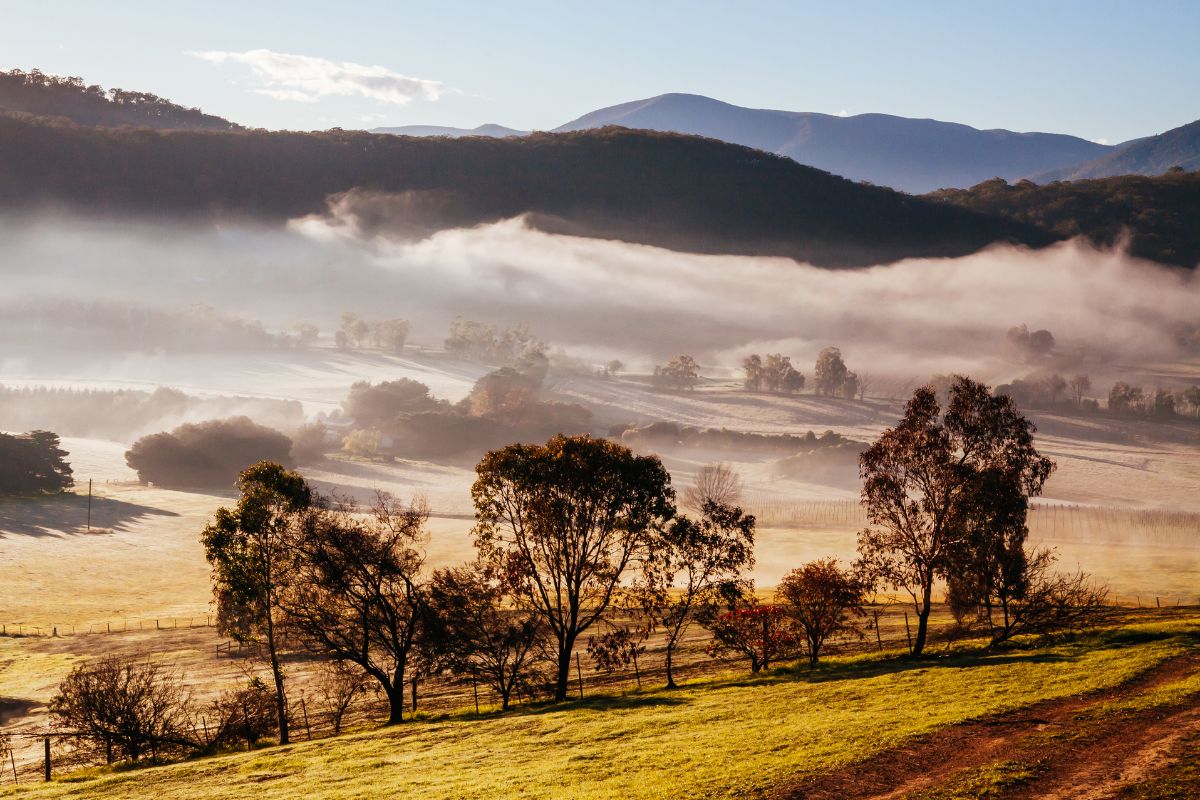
(1107, 71)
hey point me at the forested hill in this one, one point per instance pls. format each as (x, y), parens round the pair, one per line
(1160, 214)
(70, 98)
(671, 190)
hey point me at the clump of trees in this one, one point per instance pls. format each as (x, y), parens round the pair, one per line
(355, 332)
(206, 454)
(33, 463)
(774, 374)
(680, 374)
(831, 377)
(478, 341)
(672, 434)
(1029, 345)
(1130, 401)
(401, 417)
(947, 495)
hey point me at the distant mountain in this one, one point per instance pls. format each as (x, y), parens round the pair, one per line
(1154, 155)
(681, 192)
(494, 131)
(913, 155)
(45, 95)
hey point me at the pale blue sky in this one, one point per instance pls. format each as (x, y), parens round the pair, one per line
(1101, 70)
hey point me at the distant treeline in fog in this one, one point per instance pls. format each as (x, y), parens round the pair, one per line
(123, 414)
(81, 325)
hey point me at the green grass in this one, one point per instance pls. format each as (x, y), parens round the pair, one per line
(737, 737)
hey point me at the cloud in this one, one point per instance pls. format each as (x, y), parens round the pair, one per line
(1101, 140)
(306, 78)
(842, 113)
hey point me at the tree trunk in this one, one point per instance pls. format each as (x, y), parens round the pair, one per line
(670, 675)
(923, 619)
(561, 687)
(277, 673)
(395, 696)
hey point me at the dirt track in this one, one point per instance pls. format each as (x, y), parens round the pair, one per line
(1058, 750)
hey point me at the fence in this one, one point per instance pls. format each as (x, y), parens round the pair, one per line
(124, 625)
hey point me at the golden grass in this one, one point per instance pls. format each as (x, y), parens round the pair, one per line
(735, 737)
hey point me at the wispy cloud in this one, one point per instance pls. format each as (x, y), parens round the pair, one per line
(287, 76)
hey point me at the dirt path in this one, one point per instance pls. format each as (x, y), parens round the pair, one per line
(1056, 748)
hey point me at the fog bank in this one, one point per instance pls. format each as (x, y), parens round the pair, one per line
(71, 282)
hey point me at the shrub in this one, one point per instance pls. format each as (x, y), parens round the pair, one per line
(207, 454)
(120, 704)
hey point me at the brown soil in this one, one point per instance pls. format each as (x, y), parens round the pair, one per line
(1070, 753)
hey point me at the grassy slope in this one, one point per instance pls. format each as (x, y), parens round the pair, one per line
(734, 738)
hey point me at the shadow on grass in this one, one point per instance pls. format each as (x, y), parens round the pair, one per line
(67, 514)
(1027, 653)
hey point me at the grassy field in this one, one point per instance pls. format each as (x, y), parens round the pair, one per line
(726, 737)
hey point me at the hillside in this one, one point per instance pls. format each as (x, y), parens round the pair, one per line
(1158, 213)
(1153, 155)
(913, 155)
(681, 192)
(52, 96)
(883, 725)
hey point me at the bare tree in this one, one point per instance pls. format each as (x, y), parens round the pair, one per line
(339, 686)
(864, 383)
(714, 483)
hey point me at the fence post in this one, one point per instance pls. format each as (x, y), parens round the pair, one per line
(908, 633)
(47, 765)
(878, 638)
(579, 673)
(304, 709)
(475, 687)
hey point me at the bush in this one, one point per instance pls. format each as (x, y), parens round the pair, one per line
(126, 706)
(243, 715)
(207, 454)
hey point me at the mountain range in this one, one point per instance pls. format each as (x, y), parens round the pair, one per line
(65, 144)
(911, 155)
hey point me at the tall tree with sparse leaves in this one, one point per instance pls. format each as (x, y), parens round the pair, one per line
(248, 547)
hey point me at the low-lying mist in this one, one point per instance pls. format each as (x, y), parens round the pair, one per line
(599, 299)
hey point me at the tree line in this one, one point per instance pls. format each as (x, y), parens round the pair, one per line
(578, 534)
